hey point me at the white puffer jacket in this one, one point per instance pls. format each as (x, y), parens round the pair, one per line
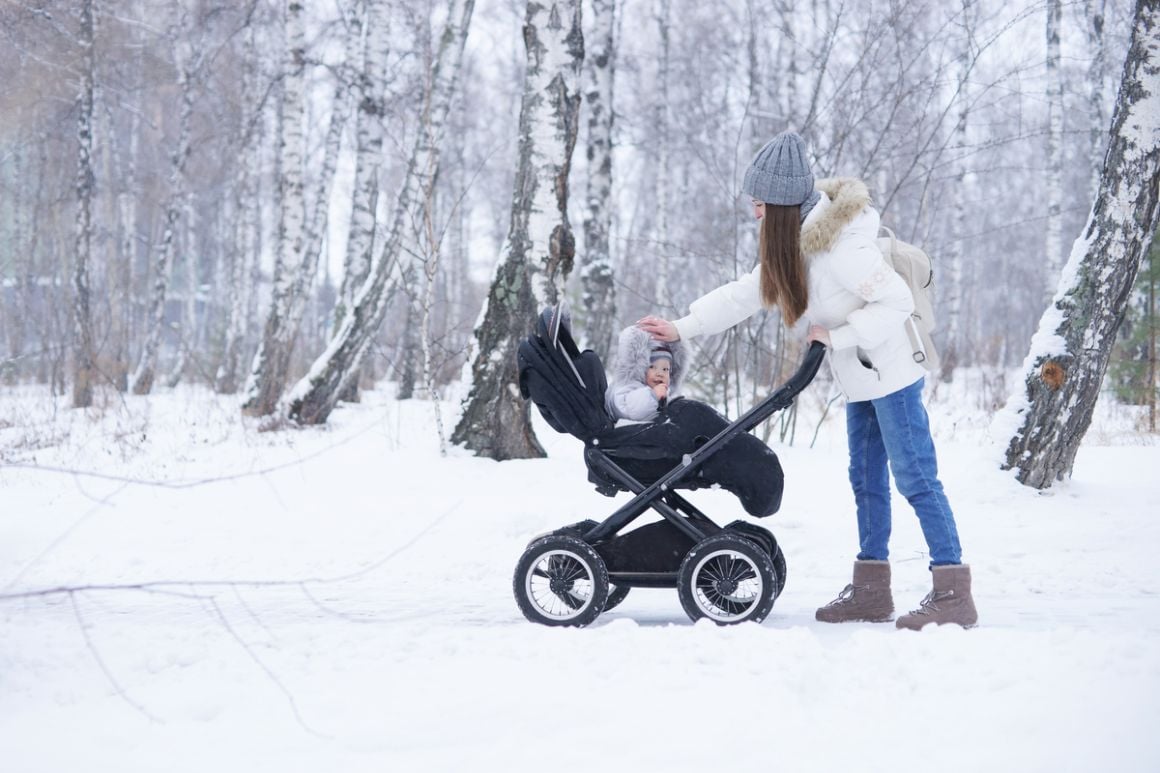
(852, 293)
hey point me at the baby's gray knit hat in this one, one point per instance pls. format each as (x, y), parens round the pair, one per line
(780, 173)
(657, 350)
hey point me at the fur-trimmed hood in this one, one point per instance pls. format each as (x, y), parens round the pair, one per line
(848, 197)
(631, 360)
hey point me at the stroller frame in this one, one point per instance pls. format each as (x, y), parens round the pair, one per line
(561, 579)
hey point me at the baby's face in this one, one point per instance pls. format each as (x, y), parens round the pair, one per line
(658, 372)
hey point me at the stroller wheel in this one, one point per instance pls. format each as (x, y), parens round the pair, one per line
(779, 567)
(764, 538)
(561, 580)
(616, 594)
(727, 579)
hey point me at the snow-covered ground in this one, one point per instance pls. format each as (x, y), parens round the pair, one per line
(339, 599)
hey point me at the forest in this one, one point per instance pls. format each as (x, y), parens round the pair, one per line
(294, 201)
(265, 465)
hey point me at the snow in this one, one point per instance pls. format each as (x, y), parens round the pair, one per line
(340, 599)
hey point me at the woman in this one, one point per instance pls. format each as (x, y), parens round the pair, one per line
(819, 261)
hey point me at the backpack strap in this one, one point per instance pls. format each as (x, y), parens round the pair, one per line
(893, 240)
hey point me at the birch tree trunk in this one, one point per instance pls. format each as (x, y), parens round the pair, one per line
(82, 315)
(243, 248)
(789, 40)
(262, 387)
(302, 243)
(538, 252)
(662, 297)
(597, 284)
(144, 375)
(954, 288)
(1054, 243)
(120, 287)
(127, 217)
(432, 243)
(1069, 354)
(315, 395)
(187, 327)
(412, 257)
(368, 165)
(1094, 12)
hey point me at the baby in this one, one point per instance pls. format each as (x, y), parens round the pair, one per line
(645, 373)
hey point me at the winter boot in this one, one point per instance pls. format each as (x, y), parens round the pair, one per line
(949, 602)
(865, 599)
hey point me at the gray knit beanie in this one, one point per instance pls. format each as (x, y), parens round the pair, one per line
(658, 350)
(780, 174)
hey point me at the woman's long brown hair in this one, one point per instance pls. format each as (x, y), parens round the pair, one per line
(783, 268)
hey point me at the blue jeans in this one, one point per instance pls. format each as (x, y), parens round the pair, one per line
(895, 428)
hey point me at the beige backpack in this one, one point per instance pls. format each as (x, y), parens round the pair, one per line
(915, 268)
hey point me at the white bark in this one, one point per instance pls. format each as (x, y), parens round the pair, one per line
(189, 327)
(315, 395)
(431, 261)
(127, 222)
(316, 226)
(662, 297)
(142, 381)
(82, 316)
(262, 386)
(1069, 354)
(596, 271)
(243, 248)
(954, 289)
(789, 50)
(1094, 13)
(538, 253)
(368, 157)
(125, 163)
(1054, 241)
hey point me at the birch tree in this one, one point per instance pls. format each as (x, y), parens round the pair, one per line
(1054, 243)
(597, 287)
(315, 395)
(1069, 354)
(242, 250)
(82, 314)
(127, 205)
(661, 293)
(539, 249)
(368, 164)
(302, 238)
(262, 390)
(145, 373)
(1094, 14)
(954, 288)
(788, 39)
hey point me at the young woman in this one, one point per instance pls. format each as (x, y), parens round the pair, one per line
(819, 261)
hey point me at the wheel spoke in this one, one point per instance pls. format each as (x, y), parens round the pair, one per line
(560, 585)
(575, 569)
(729, 569)
(571, 599)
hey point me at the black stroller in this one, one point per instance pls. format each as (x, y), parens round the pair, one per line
(728, 574)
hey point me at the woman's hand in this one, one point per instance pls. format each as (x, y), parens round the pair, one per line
(818, 333)
(660, 329)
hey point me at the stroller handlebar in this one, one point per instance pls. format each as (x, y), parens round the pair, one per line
(781, 398)
(784, 395)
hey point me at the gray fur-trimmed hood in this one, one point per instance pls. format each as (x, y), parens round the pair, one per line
(631, 359)
(848, 197)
